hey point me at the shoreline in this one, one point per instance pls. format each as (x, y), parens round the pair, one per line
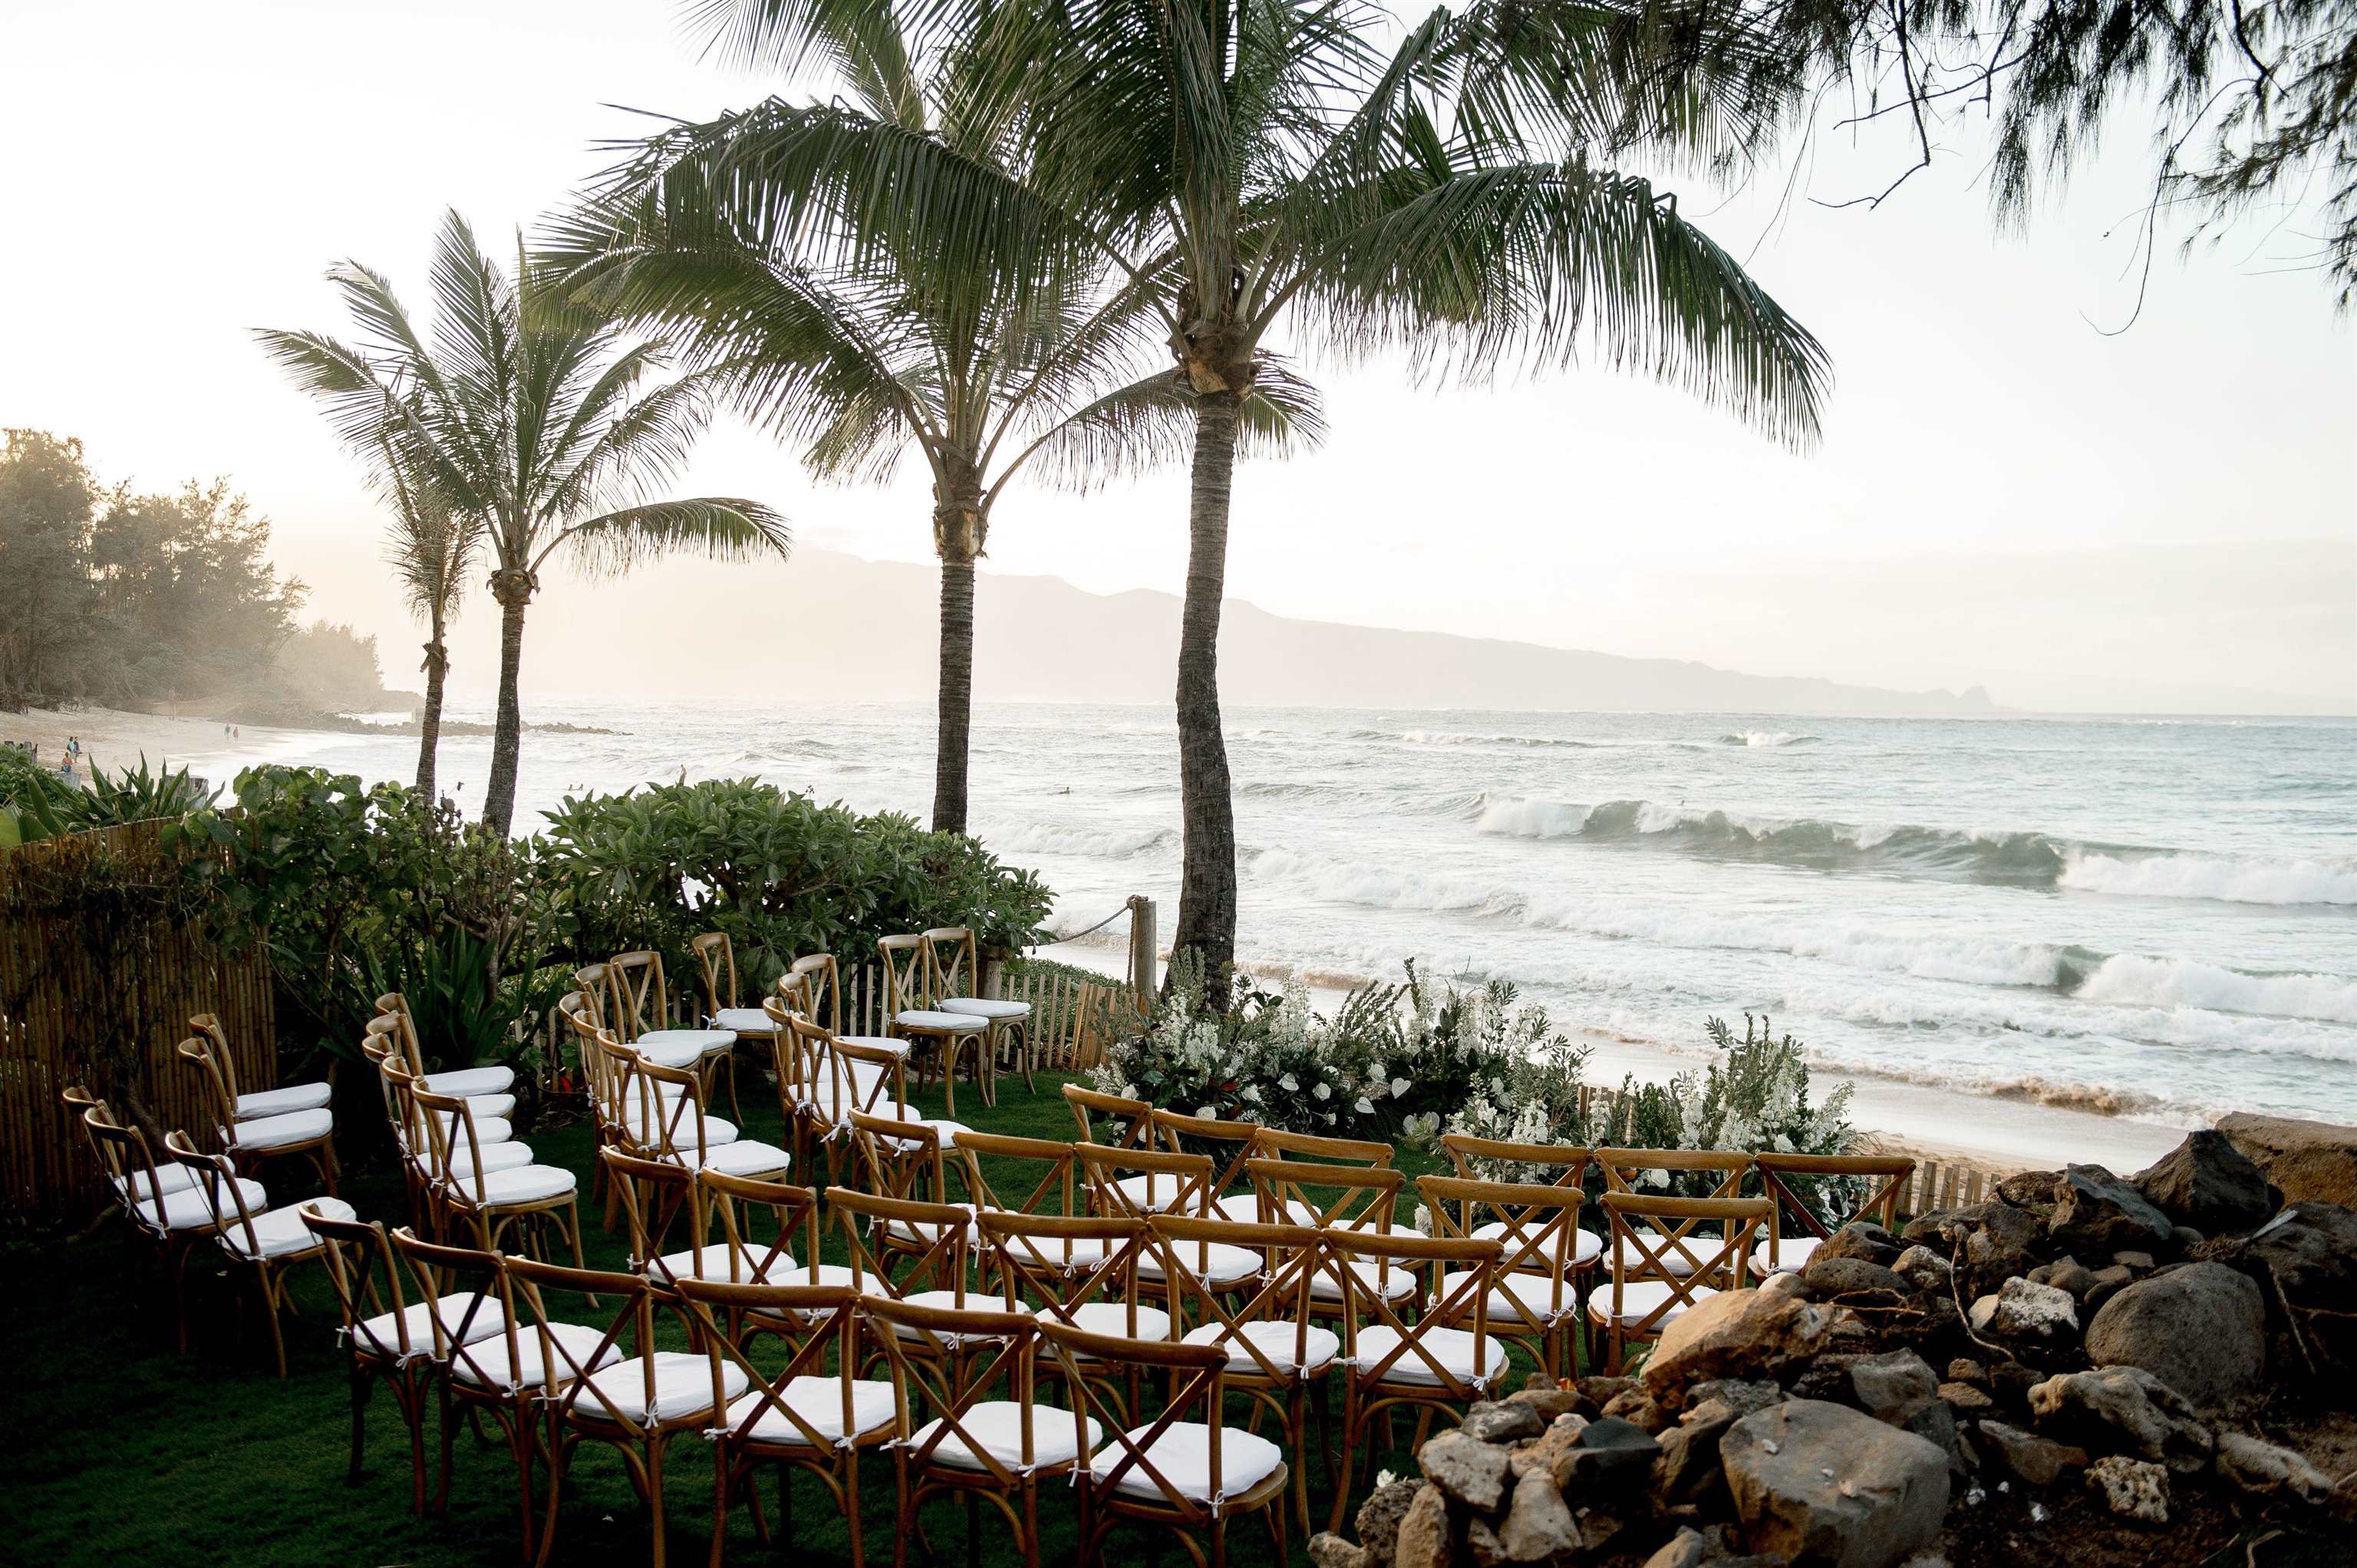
(118, 737)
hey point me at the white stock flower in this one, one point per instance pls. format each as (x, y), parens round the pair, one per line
(1322, 1092)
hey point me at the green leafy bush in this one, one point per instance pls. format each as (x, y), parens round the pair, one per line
(36, 803)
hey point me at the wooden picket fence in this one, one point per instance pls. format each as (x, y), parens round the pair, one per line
(1071, 1019)
(56, 988)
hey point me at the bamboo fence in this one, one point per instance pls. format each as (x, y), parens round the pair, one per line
(55, 991)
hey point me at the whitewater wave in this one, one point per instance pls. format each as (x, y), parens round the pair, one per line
(1763, 737)
(1451, 737)
(1993, 855)
(2128, 979)
(1102, 844)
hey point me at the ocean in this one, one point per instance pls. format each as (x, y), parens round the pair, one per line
(2146, 918)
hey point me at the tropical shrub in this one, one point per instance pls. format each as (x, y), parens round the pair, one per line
(781, 874)
(36, 803)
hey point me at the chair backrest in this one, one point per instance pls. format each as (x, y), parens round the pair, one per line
(1352, 1197)
(578, 1010)
(771, 1229)
(1136, 1117)
(637, 998)
(951, 968)
(216, 1178)
(661, 1124)
(901, 1159)
(1363, 1262)
(79, 1102)
(919, 1339)
(209, 1026)
(124, 1155)
(402, 1025)
(1062, 1262)
(1196, 1378)
(1230, 1144)
(1658, 1239)
(887, 1075)
(1027, 1175)
(821, 984)
(659, 1201)
(590, 982)
(944, 1230)
(716, 966)
(827, 1344)
(1882, 1178)
(1170, 1183)
(480, 1278)
(445, 1124)
(1629, 1170)
(365, 1273)
(1541, 1223)
(199, 1048)
(1501, 1159)
(555, 1296)
(1277, 1145)
(793, 1058)
(908, 973)
(1280, 1294)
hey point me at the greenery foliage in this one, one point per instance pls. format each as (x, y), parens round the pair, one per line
(36, 803)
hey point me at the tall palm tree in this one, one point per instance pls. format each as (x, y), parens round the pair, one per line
(984, 371)
(432, 547)
(1275, 167)
(539, 422)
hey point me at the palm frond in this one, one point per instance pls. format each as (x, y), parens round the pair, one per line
(1150, 423)
(726, 527)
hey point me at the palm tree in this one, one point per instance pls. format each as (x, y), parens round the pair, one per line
(984, 371)
(1274, 166)
(534, 418)
(432, 550)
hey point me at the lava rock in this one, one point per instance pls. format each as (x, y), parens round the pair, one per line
(1966, 1399)
(1862, 1240)
(1424, 1531)
(2265, 1468)
(2034, 1460)
(2132, 1488)
(1538, 1523)
(1608, 1456)
(1379, 1516)
(1550, 1402)
(1328, 1550)
(1964, 1370)
(2307, 1256)
(1551, 1454)
(1924, 1269)
(1821, 1483)
(1687, 1549)
(2096, 1212)
(1736, 1333)
(1470, 1471)
(1884, 1384)
(1501, 1423)
(1830, 1278)
(2308, 1162)
(2024, 1312)
(2125, 1407)
(2071, 1275)
(2106, 1284)
(1687, 1471)
(2000, 1242)
(1639, 1409)
(2029, 1189)
(2201, 1329)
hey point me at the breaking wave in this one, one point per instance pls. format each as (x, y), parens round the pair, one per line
(1104, 843)
(1450, 737)
(1765, 737)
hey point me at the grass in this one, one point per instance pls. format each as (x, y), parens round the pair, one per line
(128, 1453)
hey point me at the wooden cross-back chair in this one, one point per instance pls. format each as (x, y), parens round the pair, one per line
(942, 1235)
(270, 1243)
(1186, 1476)
(956, 966)
(663, 1214)
(1229, 1144)
(1135, 1118)
(1361, 1200)
(812, 984)
(1023, 1175)
(809, 1120)
(621, 1391)
(1079, 1270)
(1504, 1160)
(171, 1212)
(1540, 1290)
(715, 967)
(637, 1012)
(1143, 1181)
(1883, 1178)
(254, 1104)
(773, 1232)
(1436, 1365)
(1673, 1266)
(308, 1135)
(476, 1083)
(1720, 1174)
(940, 1040)
(669, 1118)
(810, 1411)
(169, 1178)
(952, 1441)
(487, 1201)
(1275, 1143)
(1276, 1354)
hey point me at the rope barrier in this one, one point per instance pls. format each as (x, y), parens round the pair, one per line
(1075, 936)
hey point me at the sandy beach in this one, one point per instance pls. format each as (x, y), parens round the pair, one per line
(115, 737)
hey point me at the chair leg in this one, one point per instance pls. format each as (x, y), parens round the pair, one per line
(851, 1507)
(448, 1436)
(270, 1312)
(655, 1495)
(721, 1468)
(411, 1399)
(362, 1386)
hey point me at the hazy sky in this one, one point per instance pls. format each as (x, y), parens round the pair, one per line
(2004, 496)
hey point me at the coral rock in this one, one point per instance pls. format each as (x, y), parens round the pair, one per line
(2132, 1488)
(1470, 1470)
(2127, 1407)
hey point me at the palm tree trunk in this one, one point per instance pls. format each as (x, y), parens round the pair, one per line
(507, 733)
(955, 697)
(429, 718)
(1207, 884)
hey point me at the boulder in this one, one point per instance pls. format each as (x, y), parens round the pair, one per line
(1884, 1384)
(2106, 1284)
(1538, 1523)
(1966, 1399)
(2023, 1312)
(1328, 1550)
(1638, 1408)
(2263, 1467)
(1820, 1483)
(1379, 1516)
(1736, 1333)
(2307, 1258)
(2072, 1276)
(1608, 1456)
(2132, 1488)
(1551, 1454)
(1830, 1278)
(2000, 1242)
(2125, 1407)
(1687, 1471)
(1687, 1549)
(1863, 1240)
(2095, 1212)
(2307, 1161)
(2201, 1329)
(1741, 1395)
(2029, 1189)
(1501, 1423)
(1469, 1470)
(1924, 1269)
(1549, 1402)
(2033, 1460)
(1424, 1531)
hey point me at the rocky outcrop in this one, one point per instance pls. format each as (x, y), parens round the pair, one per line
(2097, 1213)
(2201, 1329)
(2307, 1161)
(2207, 1182)
(1821, 1483)
(1736, 1333)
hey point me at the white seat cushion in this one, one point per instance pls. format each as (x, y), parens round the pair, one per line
(1213, 1262)
(702, 1042)
(1244, 1208)
(277, 1131)
(893, 1043)
(504, 1156)
(277, 1233)
(819, 1401)
(384, 1333)
(988, 1007)
(1792, 1255)
(1671, 1260)
(168, 1179)
(1151, 1191)
(682, 1387)
(976, 1301)
(940, 1023)
(1114, 1319)
(1275, 1340)
(1536, 1293)
(1454, 1348)
(489, 1130)
(744, 1020)
(465, 1083)
(488, 1106)
(485, 1362)
(1183, 1455)
(1073, 1254)
(1586, 1247)
(523, 1184)
(996, 1428)
(923, 1230)
(188, 1210)
(280, 1101)
(1639, 1297)
(837, 1275)
(1392, 1282)
(715, 1262)
(676, 1126)
(745, 1157)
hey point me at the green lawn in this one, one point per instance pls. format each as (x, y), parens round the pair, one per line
(127, 1452)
